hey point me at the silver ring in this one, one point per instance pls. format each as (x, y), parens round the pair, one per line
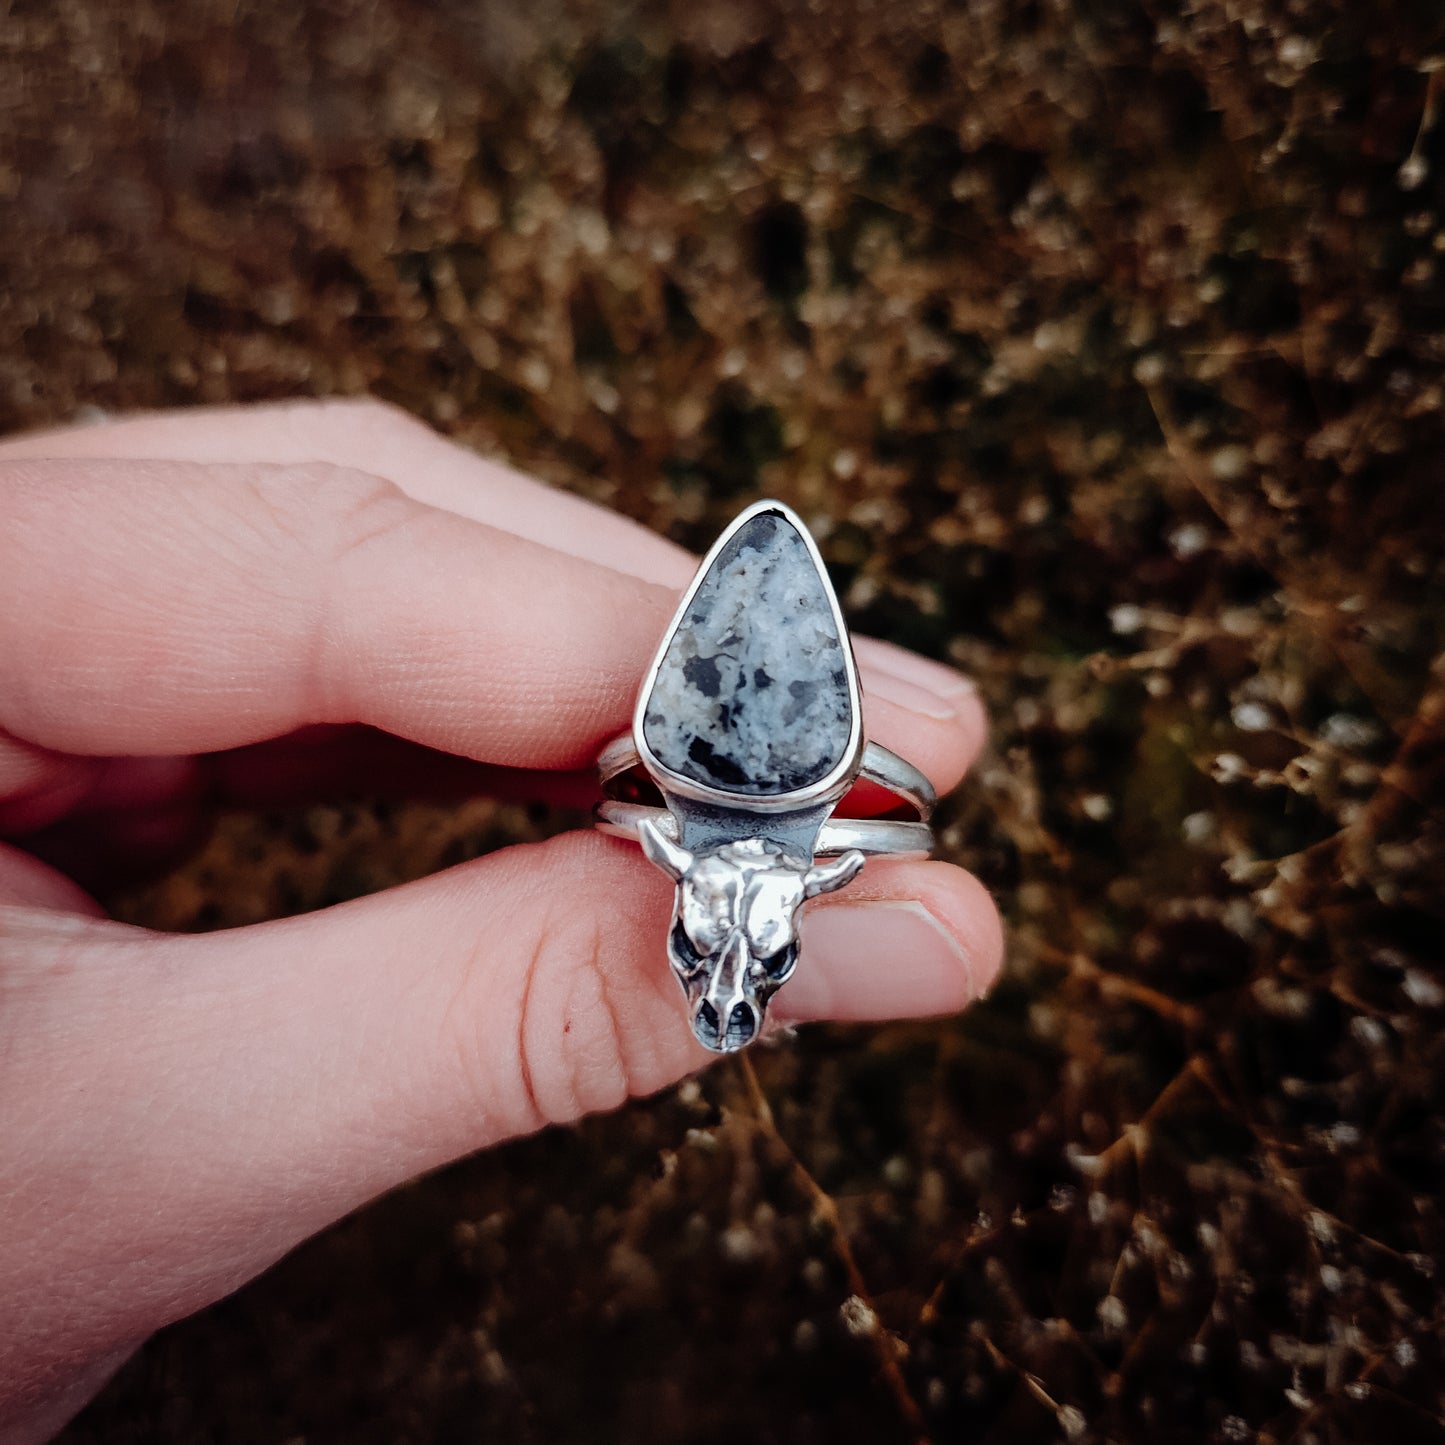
(749, 723)
(870, 836)
(879, 765)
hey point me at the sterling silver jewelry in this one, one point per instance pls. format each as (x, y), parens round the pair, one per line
(749, 724)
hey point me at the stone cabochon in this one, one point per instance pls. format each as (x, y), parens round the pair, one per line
(752, 695)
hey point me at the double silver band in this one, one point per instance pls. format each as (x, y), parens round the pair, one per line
(875, 836)
(879, 765)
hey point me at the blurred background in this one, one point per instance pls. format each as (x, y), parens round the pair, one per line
(1102, 345)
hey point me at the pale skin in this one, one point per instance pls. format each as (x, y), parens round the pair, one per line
(179, 595)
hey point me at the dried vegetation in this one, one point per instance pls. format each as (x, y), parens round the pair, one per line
(1104, 343)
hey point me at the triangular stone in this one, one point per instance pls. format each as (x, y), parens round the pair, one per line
(752, 694)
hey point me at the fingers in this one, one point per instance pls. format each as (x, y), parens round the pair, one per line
(905, 940)
(37, 785)
(194, 608)
(107, 822)
(25, 882)
(201, 607)
(308, 1064)
(335, 762)
(368, 436)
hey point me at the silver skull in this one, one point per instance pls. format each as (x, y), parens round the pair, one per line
(734, 936)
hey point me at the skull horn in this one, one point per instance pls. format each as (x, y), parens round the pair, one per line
(825, 877)
(672, 859)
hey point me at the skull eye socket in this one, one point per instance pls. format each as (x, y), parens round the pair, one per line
(684, 950)
(780, 964)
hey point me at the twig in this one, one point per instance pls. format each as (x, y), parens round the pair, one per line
(827, 1210)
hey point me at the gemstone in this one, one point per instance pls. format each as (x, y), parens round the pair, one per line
(752, 694)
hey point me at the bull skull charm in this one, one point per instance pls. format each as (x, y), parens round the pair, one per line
(750, 724)
(734, 936)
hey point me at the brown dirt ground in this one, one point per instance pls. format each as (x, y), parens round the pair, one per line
(1105, 343)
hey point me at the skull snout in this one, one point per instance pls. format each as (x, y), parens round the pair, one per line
(742, 1025)
(724, 1017)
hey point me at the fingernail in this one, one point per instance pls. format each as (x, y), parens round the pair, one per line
(886, 958)
(914, 682)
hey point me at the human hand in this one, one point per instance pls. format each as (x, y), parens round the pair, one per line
(180, 595)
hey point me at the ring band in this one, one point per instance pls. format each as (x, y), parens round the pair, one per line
(750, 725)
(876, 837)
(879, 765)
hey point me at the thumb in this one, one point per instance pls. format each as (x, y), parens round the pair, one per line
(180, 1111)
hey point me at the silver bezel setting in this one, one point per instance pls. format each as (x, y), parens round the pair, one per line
(833, 784)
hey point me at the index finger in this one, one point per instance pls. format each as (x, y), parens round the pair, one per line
(371, 436)
(158, 607)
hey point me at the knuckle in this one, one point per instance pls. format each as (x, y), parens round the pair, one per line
(570, 1039)
(325, 510)
(319, 525)
(539, 1039)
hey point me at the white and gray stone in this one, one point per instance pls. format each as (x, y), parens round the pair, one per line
(752, 693)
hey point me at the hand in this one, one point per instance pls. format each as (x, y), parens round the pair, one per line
(180, 596)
